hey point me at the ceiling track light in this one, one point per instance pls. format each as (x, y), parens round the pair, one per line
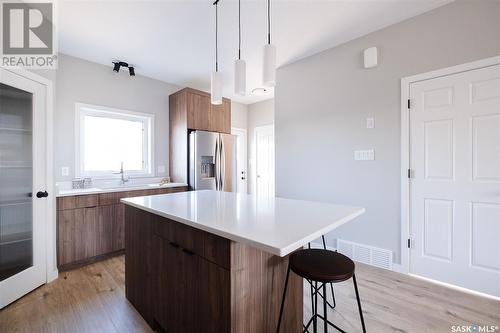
(118, 64)
(240, 75)
(216, 78)
(269, 61)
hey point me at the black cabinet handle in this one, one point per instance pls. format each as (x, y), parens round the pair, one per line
(188, 252)
(41, 194)
(174, 244)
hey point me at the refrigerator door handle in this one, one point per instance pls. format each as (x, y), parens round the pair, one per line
(222, 164)
(216, 160)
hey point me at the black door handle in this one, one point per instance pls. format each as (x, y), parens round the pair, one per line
(41, 194)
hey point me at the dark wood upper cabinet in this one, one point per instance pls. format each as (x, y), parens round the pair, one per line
(191, 109)
(198, 111)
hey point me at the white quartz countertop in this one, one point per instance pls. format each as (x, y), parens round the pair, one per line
(276, 225)
(126, 187)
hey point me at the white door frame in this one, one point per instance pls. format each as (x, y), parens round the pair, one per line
(50, 221)
(243, 131)
(405, 143)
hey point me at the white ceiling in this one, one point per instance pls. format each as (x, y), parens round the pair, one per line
(173, 41)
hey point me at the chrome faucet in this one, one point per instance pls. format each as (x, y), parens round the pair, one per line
(122, 173)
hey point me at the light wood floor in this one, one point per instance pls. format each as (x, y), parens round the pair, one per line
(92, 300)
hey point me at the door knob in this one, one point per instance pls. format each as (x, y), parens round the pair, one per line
(41, 194)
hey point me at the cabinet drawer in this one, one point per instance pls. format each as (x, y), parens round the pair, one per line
(77, 201)
(182, 235)
(211, 247)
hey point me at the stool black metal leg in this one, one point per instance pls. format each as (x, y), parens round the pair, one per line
(315, 314)
(333, 297)
(283, 299)
(325, 311)
(359, 303)
(331, 284)
(312, 298)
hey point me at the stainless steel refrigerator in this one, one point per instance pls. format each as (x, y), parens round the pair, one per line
(212, 161)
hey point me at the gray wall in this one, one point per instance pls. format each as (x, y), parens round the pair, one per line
(78, 80)
(322, 103)
(87, 82)
(239, 115)
(259, 114)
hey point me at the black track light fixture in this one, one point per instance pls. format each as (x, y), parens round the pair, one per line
(119, 64)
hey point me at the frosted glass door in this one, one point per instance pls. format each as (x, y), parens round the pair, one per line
(16, 179)
(24, 198)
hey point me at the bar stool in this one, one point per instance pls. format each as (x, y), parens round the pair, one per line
(321, 266)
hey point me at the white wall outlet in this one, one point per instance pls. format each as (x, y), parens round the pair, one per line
(364, 155)
(161, 168)
(370, 123)
(65, 171)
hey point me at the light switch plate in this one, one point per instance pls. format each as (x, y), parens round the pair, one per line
(161, 168)
(364, 155)
(65, 171)
(370, 123)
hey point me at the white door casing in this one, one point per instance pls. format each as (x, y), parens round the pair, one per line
(23, 282)
(264, 164)
(454, 155)
(241, 159)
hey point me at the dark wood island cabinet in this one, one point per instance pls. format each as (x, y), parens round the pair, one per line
(183, 279)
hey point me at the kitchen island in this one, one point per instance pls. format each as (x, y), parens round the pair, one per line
(209, 261)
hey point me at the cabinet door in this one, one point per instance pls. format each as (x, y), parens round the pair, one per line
(118, 242)
(104, 234)
(77, 232)
(65, 236)
(217, 117)
(198, 108)
(139, 264)
(214, 299)
(177, 303)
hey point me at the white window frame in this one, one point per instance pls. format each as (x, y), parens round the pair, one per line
(82, 110)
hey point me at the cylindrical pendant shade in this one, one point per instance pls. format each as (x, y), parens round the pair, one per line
(240, 77)
(269, 66)
(216, 88)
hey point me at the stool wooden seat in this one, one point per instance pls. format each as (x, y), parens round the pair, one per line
(323, 267)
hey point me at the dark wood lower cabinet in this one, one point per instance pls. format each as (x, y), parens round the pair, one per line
(92, 227)
(186, 280)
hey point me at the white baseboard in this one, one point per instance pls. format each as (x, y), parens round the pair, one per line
(452, 286)
(398, 268)
(52, 275)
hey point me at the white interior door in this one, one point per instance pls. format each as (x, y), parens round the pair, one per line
(455, 188)
(22, 176)
(264, 154)
(241, 159)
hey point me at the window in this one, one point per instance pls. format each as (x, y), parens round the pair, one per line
(106, 137)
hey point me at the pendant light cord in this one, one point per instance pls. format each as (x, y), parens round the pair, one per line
(216, 40)
(239, 29)
(269, 21)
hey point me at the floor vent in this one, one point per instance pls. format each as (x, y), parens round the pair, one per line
(366, 254)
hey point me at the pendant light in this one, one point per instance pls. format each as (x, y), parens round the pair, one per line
(216, 78)
(240, 67)
(269, 63)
